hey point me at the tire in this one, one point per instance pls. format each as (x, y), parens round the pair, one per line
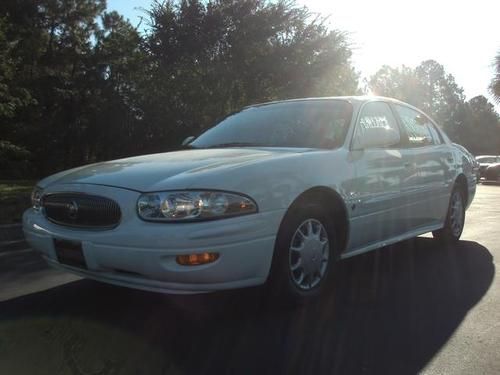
(455, 219)
(314, 261)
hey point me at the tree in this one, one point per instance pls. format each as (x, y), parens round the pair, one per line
(481, 135)
(474, 124)
(442, 98)
(80, 74)
(495, 82)
(401, 83)
(118, 73)
(79, 84)
(12, 97)
(427, 87)
(213, 58)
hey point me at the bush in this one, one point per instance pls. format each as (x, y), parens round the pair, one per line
(14, 161)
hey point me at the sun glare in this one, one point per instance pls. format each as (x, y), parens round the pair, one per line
(459, 35)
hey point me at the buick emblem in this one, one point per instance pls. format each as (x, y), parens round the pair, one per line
(72, 210)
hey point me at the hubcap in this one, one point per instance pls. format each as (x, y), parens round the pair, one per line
(308, 255)
(457, 214)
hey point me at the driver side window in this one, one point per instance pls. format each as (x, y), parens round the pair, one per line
(375, 115)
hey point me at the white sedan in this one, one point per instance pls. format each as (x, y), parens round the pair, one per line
(276, 193)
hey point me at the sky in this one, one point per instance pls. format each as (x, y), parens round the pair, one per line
(463, 36)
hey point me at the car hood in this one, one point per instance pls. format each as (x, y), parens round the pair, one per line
(167, 170)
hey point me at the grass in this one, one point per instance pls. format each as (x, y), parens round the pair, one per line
(14, 199)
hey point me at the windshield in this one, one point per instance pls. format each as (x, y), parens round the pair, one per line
(308, 124)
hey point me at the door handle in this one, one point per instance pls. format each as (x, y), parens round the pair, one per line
(408, 164)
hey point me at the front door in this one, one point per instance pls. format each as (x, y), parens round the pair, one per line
(375, 201)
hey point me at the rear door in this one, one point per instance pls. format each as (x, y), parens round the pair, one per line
(428, 193)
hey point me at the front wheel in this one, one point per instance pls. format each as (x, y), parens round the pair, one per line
(303, 256)
(455, 219)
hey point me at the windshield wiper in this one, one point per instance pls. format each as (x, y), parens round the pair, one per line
(236, 144)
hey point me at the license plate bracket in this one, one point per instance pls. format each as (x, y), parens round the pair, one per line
(70, 253)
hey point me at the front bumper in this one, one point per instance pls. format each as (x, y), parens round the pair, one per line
(142, 255)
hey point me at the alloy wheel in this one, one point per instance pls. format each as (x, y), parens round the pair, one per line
(308, 255)
(457, 214)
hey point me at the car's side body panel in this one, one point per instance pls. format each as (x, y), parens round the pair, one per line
(375, 201)
(432, 186)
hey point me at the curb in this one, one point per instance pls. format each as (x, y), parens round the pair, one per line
(14, 225)
(11, 232)
(16, 252)
(16, 245)
(491, 183)
(12, 238)
(11, 242)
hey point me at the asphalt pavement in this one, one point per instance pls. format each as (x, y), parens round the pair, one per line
(415, 307)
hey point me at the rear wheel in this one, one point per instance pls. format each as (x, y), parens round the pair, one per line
(303, 255)
(455, 219)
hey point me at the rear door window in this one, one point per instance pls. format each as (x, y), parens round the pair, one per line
(417, 127)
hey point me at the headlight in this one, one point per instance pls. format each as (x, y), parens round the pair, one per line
(193, 205)
(36, 198)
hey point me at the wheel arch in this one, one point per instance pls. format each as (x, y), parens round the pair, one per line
(461, 183)
(335, 205)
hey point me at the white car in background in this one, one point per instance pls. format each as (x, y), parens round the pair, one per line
(275, 193)
(485, 163)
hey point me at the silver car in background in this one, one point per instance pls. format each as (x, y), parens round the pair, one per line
(276, 193)
(489, 166)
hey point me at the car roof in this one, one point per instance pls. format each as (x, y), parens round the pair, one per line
(351, 99)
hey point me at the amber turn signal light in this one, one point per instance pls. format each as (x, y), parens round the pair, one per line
(197, 259)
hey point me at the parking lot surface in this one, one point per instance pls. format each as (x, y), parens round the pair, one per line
(415, 307)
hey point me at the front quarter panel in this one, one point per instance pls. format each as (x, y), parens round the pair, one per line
(276, 183)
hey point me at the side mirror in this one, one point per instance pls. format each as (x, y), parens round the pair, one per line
(188, 140)
(376, 138)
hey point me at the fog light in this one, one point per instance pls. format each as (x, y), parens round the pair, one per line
(197, 259)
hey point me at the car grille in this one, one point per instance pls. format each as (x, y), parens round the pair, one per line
(81, 210)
